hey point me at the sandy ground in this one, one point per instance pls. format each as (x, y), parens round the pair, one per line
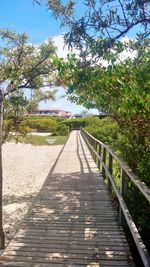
(25, 168)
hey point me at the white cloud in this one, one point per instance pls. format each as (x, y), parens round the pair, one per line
(127, 53)
(62, 49)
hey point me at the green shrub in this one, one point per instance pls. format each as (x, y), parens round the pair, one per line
(62, 130)
(42, 124)
(80, 122)
(59, 119)
(104, 130)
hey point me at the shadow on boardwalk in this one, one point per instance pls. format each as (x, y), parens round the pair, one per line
(72, 222)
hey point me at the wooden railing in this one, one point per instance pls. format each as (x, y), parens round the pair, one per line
(104, 158)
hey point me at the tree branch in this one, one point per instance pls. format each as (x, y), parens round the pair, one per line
(132, 25)
(123, 11)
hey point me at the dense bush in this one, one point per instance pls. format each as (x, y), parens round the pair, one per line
(42, 124)
(61, 129)
(12, 131)
(59, 119)
(104, 130)
(80, 122)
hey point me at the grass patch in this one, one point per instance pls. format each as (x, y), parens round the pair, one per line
(42, 140)
(60, 140)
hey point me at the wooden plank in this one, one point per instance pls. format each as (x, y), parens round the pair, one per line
(24, 264)
(76, 225)
(72, 231)
(106, 241)
(62, 255)
(74, 248)
(81, 261)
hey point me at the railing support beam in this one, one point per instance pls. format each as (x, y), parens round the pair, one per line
(99, 154)
(123, 191)
(104, 161)
(110, 167)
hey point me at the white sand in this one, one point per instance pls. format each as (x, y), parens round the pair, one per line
(25, 168)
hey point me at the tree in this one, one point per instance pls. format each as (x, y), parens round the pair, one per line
(22, 66)
(119, 88)
(37, 96)
(14, 115)
(123, 91)
(102, 25)
(17, 108)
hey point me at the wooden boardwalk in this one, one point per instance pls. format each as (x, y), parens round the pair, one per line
(72, 222)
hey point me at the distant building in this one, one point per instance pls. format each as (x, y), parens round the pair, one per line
(78, 116)
(52, 113)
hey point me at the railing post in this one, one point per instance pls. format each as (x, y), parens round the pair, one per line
(89, 140)
(2, 235)
(91, 143)
(95, 148)
(110, 166)
(104, 161)
(123, 190)
(99, 153)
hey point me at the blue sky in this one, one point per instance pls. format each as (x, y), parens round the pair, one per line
(36, 21)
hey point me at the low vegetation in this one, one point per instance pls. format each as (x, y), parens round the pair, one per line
(57, 130)
(42, 124)
(43, 140)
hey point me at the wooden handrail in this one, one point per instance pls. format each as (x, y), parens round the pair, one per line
(141, 185)
(98, 152)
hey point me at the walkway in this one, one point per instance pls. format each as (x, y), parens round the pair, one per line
(72, 222)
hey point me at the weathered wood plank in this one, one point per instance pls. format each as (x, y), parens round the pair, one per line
(81, 260)
(62, 248)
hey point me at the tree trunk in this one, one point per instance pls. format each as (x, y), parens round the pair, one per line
(2, 236)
